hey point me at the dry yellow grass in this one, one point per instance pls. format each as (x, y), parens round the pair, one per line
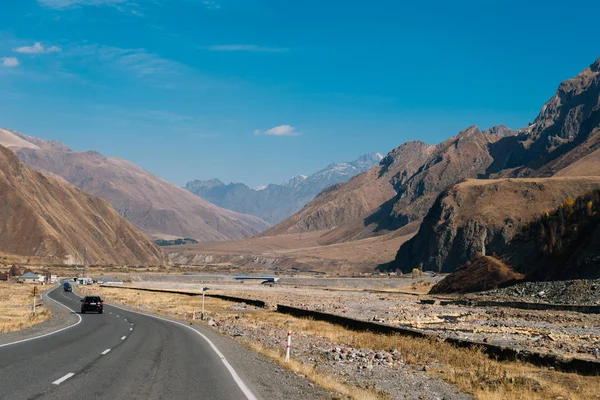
(317, 376)
(15, 308)
(470, 369)
(167, 304)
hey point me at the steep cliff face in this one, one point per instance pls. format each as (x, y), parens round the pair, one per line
(562, 142)
(566, 129)
(47, 217)
(464, 156)
(480, 217)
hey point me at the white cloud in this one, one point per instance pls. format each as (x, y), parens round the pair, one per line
(37, 48)
(138, 61)
(281, 130)
(61, 4)
(211, 4)
(246, 47)
(10, 62)
(147, 67)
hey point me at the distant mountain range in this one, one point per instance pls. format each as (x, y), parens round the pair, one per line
(155, 206)
(275, 202)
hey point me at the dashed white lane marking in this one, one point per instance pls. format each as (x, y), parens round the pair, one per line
(105, 352)
(110, 312)
(240, 383)
(64, 378)
(117, 316)
(131, 324)
(130, 329)
(123, 338)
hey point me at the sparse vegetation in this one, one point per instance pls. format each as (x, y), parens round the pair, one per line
(470, 369)
(175, 242)
(16, 306)
(556, 231)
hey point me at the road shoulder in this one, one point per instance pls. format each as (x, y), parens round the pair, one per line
(264, 378)
(61, 318)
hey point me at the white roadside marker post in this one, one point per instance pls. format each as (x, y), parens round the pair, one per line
(288, 347)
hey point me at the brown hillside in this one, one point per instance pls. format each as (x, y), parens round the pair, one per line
(480, 217)
(350, 202)
(155, 206)
(484, 273)
(464, 156)
(45, 217)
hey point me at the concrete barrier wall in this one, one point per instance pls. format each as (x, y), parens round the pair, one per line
(523, 305)
(255, 303)
(584, 367)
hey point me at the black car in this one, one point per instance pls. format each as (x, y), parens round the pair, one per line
(91, 303)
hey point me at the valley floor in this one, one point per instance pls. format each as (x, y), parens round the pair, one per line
(367, 365)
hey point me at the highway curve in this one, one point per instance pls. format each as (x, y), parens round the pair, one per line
(117, 355)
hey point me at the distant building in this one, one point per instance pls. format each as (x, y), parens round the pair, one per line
(30, 277)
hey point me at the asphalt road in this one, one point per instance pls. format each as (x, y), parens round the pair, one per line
(117, 355)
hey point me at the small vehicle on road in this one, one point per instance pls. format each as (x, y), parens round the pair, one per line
(91, 303)
(67, 287)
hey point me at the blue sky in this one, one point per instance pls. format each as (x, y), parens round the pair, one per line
(256, 91)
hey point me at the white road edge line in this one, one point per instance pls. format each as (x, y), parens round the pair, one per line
(249, 395)
(51, 333)
(105, 352)
(64, 378)
(123, 338)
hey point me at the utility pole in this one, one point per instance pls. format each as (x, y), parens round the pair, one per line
(84, 260)
(34, 296)
(76, 262)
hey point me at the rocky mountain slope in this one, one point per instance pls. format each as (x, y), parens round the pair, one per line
(566, 129)
(46, 217)
(349, 203)
(276, 202)
(400, 193)
(155, 206)
(563, 243)
(480, 217)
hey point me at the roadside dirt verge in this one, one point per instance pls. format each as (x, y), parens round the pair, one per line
(16, 303)
(56, 317)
